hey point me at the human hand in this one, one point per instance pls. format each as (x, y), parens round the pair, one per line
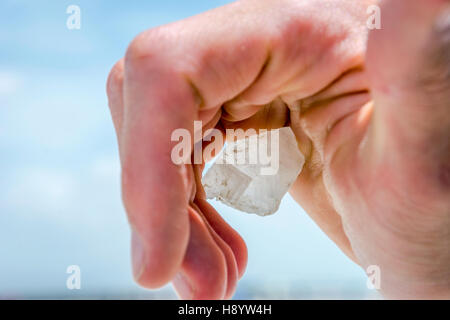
(377, 179)
(250, 64)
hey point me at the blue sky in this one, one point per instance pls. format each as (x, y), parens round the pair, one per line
(59, 177)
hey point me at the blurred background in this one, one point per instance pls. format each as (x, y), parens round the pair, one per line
(59, 168)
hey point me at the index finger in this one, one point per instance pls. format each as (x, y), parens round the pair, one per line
(170, 74)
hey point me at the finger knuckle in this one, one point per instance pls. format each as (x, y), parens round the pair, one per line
(147, 47)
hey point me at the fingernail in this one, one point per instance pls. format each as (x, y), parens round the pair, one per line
(137, 255)
(183, 287)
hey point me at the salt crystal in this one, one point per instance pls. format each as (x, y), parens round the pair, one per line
(251, 187)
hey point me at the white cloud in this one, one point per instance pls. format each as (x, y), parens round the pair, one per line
(10, 82)
(106, 168)
(43, 190)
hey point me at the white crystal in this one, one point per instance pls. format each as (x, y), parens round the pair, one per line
(244, 186)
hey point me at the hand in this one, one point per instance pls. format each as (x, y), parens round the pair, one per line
(265, 64)
(377, 180)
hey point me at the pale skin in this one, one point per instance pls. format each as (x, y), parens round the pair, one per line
(370, 111)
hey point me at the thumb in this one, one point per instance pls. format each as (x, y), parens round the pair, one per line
(410, 33)
(408, 65)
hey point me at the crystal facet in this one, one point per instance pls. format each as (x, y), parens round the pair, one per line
(245, 186)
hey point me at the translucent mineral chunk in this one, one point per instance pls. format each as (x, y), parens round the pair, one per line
(255, 186)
